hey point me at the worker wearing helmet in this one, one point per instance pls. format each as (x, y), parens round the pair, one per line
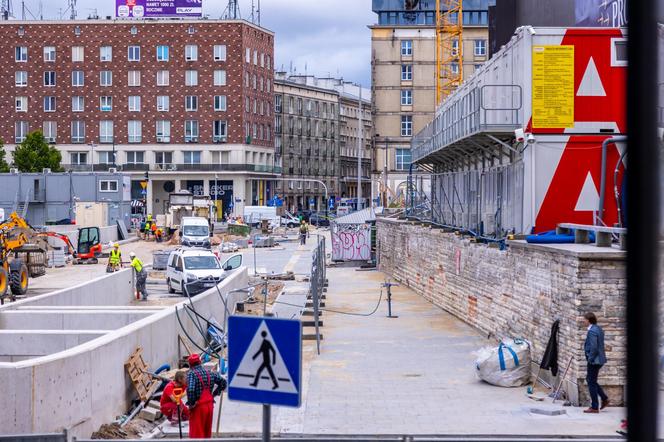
(115, 258)
(141, 276)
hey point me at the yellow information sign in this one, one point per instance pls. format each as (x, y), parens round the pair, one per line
(553, 87)
(144, 184)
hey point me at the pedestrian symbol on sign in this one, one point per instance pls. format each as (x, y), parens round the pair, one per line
(262, 366)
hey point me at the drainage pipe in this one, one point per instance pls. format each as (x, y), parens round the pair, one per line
(615, 187)
(602, 188)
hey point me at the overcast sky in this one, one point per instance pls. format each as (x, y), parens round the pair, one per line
(330, 37)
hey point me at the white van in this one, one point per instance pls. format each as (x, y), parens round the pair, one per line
(197, 270)
(195, 232)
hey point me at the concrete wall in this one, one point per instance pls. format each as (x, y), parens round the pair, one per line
(113, 289)
(22, 344)
(26, 319)
(518, 292)
(83, 387)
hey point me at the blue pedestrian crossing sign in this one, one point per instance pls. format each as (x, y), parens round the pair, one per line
(265, 360)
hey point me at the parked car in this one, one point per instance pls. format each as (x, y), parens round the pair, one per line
(196, 270)
(319, 219)
(305, 214)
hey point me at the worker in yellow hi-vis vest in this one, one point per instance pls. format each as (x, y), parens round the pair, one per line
(141, 276)
(115, 259)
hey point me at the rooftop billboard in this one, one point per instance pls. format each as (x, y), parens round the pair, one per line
(158, 8)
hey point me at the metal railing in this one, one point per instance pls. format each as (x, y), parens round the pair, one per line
(162, 167)
(467, 112)
(487, 203)
(317, 282)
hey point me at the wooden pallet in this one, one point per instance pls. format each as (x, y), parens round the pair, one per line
(136, 368)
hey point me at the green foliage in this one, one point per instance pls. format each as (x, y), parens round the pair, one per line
(4, 166)
(35, 154)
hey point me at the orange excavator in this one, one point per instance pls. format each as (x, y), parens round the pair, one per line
(89, 244)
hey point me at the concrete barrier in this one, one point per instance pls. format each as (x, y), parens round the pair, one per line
(107, 290)
(25, 319)
(80, 388)
(23, 344)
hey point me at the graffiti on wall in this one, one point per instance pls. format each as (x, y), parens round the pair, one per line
(351, 242)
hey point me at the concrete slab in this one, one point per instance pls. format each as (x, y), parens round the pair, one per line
(69, 319)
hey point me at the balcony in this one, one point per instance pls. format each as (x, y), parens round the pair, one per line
(135, 167)
(165, 167)
(468, 119)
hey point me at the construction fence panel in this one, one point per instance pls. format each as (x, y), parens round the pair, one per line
(488, 203)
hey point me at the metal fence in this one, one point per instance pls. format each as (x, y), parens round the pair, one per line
(317, 283)
(37, 437)
(487, 203)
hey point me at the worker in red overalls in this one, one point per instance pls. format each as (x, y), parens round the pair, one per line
(202, 386)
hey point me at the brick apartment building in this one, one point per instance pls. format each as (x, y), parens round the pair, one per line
(185, 103)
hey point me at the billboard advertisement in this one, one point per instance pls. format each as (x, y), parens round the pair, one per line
(601, 13)
(158, 8)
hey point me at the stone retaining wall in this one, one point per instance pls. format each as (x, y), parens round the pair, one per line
(518, 292)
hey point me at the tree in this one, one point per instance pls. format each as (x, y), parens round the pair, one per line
(4, 166)
(35, 154)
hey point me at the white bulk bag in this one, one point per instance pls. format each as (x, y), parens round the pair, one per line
(507, 365)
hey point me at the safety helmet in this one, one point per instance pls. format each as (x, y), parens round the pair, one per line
(117, 244)
(132, 254)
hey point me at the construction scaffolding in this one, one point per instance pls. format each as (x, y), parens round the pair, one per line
(449, 47)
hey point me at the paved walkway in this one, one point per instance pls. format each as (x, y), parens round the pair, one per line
(409, 375)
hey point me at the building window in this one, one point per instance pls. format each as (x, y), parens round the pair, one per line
(136, 157)
(134, 78)
(191, 131)
(220, 103)
(191, 103)
(49, 78)
(163, 78)
(106, 131)
(77, 78)
(105, 157)
(21, 78)
(106, 53)
(21, 104)
(49, 53)
(277, 103)
(407, 48)
(268, 64)
(191, 78)
(77, 53)
(192, 157)
(220, 78)
(455, 47)
(219, 52)
(77, 30)
(163, 132)
(78, 158)
(21, 54)
(106, 104)
(402, 159)
(191, 52)
(253, 81)
(134, 53)
(106, 78)
(77, 104)
(49, 104)
(454, 68)
(134, 102)
(163, 158)
(163, 103)
(247, 55)
(134, 131)
(406, 125)
(50, 130)
(133, 30)
(480, 48)
(406, 72)
(20, 131)
(406, 97)
(219, 131)
(162, 53)
(78, 131)
(108, 185)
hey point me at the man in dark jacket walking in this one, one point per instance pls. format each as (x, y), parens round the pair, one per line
(596, 358)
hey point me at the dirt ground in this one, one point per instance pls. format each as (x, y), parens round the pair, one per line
(256, 308)
(133, 430)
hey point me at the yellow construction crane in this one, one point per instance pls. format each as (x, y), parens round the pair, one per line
(449, 47)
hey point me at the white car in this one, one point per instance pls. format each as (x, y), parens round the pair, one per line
(193, 271)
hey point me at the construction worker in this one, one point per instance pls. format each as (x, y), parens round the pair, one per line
(115, 258)
(169, 400)
(148, 227)
(153, 229)
(159, 234)
(141, 276)
(201, 390)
